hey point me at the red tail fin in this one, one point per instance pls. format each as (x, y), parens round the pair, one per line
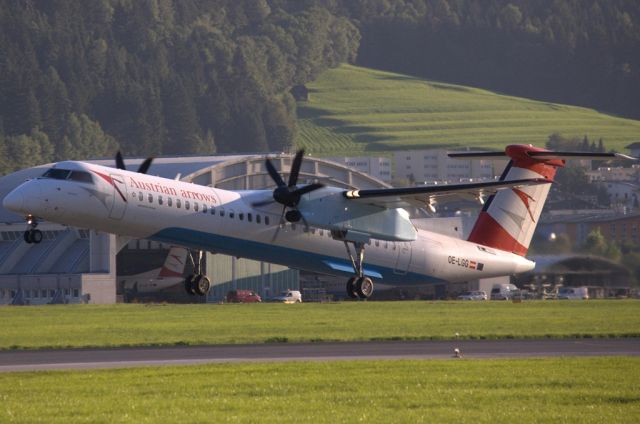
(509, 218)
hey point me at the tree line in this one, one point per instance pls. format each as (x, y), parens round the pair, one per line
(80, 79)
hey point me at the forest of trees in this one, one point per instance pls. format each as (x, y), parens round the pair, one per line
(81, 79)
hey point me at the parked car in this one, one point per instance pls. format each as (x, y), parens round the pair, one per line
(473, 295)
(503, 291)
(288, 296)
(243, 296)
(573, 293)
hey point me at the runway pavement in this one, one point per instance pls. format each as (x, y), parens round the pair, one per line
(32, 360)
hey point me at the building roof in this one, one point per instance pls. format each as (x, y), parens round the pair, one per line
(587, 218)
(170, 167)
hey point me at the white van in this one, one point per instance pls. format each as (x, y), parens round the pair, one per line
(289, 296)
(503, 291)
(573, 293)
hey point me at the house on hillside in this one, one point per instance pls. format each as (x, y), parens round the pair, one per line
(300, 93)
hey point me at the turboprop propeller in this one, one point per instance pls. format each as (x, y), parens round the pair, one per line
(288, 194)
(142, 169)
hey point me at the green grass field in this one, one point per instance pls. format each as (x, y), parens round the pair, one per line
(353, 111)
(139, 325)
(567, 390)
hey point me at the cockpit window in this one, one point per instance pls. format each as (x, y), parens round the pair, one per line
(57, 174)
(66, 174)
(81, 176)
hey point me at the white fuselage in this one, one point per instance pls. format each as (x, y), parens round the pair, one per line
(222, 221)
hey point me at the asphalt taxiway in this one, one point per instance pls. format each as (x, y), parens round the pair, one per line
(33, 360)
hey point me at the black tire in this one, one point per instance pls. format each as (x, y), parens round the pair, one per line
(201, 285)
(351, 288)
(36, 236)
(27, 237)
(364, 287)
(189, 286)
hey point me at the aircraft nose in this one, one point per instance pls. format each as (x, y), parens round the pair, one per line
(14, 201)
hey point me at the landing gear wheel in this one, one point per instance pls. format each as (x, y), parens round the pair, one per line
(364, 287)
(33, 236)
(36, 236)
(188, 285)
(201, 285)
(351, 288)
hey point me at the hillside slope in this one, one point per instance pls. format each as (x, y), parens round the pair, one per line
(353, 110)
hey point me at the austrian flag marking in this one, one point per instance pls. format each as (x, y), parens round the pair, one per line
(479, 266)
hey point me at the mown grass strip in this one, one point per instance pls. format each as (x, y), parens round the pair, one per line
(567, 390)
(77, 326)
(353, 110)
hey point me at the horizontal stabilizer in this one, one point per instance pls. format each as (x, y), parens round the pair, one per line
(543, 155)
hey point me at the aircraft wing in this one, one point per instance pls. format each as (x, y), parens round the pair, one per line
(430, 195)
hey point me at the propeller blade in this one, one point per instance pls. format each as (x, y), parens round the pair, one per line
(280, 225)
(304, 220)
(275, 176)
(308, 188)
(120, 161)
(295, 168)
(144, 166)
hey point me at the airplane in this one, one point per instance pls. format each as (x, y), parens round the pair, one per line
(169, 275)
(310, 227)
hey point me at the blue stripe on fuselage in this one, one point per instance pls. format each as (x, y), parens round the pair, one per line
(294, 258)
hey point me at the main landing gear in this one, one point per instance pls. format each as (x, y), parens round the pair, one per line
(197, 283)
(358, 286)
(32, 234)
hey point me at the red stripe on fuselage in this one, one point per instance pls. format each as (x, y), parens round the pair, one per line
(488, 232)
(110, 181)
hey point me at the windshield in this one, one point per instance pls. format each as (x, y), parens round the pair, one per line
(66, 174)
(57, 174)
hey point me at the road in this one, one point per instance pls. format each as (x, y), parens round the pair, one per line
(26, 360)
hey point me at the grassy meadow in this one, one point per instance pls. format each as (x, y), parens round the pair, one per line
(75, 326)
(567, 390)
(354, 111)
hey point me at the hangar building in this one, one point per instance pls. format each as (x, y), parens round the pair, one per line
(73, 265)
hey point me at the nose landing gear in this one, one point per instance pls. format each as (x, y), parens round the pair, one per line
(32, 234)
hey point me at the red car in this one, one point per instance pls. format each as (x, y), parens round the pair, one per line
(243, 296)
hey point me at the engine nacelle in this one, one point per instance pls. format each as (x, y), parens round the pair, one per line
(329, 209)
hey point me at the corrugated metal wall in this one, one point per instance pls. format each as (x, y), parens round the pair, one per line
(230, 273)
